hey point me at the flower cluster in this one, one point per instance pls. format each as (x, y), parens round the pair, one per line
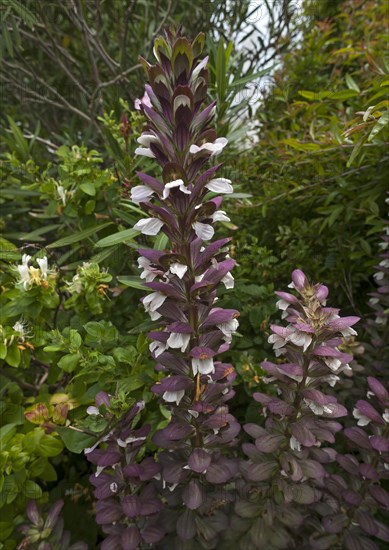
(291, 450)
(30, 276)
(128, 505)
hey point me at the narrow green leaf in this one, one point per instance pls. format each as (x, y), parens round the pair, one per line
(118, 238)
(76, 237)
(351, 83)
(380, 125)
(132, 281)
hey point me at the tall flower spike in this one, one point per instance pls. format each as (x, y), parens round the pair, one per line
(291, 451)
(184, 280)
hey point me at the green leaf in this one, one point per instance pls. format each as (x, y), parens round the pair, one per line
(380, 125)
(88, 188)
(76, 237)
(351, 83)
(49, 445)
(132, 281)
(13, 356)
(302, 146)
(74, 440)
(118, 238)
(161, 242)
(343, 94)
(358, 146)
(69, 362)
(31, 490)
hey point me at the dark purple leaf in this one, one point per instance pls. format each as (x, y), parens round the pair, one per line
(186, 526)
(131, 538)
(199, 460)
(193, 495)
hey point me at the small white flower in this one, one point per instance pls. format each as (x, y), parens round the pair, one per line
(146, 139)
(362, 419)
(176, 183)
(214, 148)
(145, 152)
(61, 193)
(203, 366)
(282, 305)
(204, 231)
(178, 269)
(21, 328)
(178, 340)
(140, 193)
(157, 348)
(42, 262)
(153, 301)
(220, 185)
(23, 270)
(173, 396)
(228, 329)
(149, 273)
(220, 216)
(385, 416)
(294, 444)
(149, 226)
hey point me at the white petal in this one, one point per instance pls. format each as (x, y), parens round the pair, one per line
(204, 231)
(294, 444)
(92, 410)
(228, 280)
(153, 301)
(220, 185)
(145, 152)
(157, 348)
(146, 139)
(149, 226)
(178, 340)
(220, 216)
(203, 366)
(178, 269)
(173, 396)
(140, 193)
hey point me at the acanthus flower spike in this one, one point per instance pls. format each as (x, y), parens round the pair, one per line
(185, 279)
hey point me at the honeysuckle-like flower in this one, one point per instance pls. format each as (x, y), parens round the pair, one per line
(30, 276)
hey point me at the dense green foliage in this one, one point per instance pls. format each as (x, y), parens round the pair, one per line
(309, 193)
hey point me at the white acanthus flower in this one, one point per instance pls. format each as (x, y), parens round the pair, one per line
(204, 231)
(220, 185)
(149, 226)
(178, 340)
(214, 148)
(178, 269)
(362, 419)
(294, 444)
(202, 366)
(173, 396)
(152, 302)
(220, 216)
(176, 183)
(140, 193)
(228, 280)
(228, 328)
(157, 348)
